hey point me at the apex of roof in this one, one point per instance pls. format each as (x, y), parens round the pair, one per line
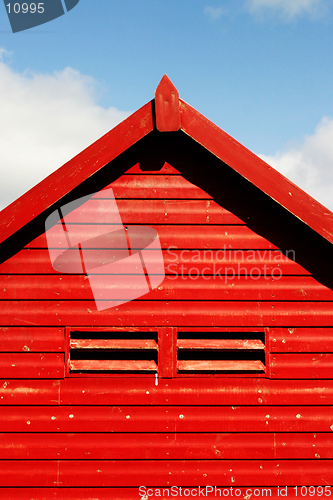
(167, 109)
(166, 113)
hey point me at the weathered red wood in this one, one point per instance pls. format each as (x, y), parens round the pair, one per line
(300, 340)
(179, 211)
(182, 313)
(191, 186)
(228, 262)
(68, 493)
(220, 365)
(113, 344)
(71, 473)
(167, 352)
(31, 365)
(30, 339)
(162, 212)
(150, 446)
(294, 366)
(195, 237)
(130, 493)
(29, 392)
(167, 106)
(156, 418)
(206, 261)
(219, 344)
(146, 186)
(310, 445)
(29, 473)
(149, 331)
(237, 287)
(84, 365)
(191, 391)
(184, 287)
(161, 419)
(74, 172)
(255, 170)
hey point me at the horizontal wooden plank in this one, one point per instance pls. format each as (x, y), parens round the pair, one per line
(217, 365)
(183, 313)
(181, 211)
(129, 493)
(302, 366)
(129, 419)
(113, 344)
(32, 365)
(68, 493)
(196, 185)
(300, 340)
(166, 446)
(252, 285)
(195, 237)
(33, 473)
(151, 446)
(32, 339)
(71, 473)
(86, 365)
(182, 287)
(318, 445)
(156, 186)
(31, 392)
(239, 236)
(194, 391)
(219, 344)
(183, 262)
(187, 391)
(160, 212)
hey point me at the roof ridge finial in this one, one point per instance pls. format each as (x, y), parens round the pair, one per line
(167, 106)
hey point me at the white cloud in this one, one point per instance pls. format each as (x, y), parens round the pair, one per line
(45, 120)
(289, 9)
(310, 165)
(214, 12)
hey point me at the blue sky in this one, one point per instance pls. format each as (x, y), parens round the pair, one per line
(260, 69)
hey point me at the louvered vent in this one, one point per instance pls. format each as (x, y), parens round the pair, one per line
(220, 352)
(113, 352)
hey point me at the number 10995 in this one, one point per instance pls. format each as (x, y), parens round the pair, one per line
(25, 8)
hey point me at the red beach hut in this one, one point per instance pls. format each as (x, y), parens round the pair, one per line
(166, 322)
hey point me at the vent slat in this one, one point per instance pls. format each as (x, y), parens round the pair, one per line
(211, 351)
(221, 365)
(85, 365)
(108, 351)
(220, 344)
(113, 344)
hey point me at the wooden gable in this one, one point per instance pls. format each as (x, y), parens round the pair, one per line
(240, 330)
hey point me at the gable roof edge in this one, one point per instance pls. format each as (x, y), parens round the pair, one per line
(89, 161)
(256, 171)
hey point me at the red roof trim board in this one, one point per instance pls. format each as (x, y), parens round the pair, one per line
(255, 170)
(171, 114)
(167, 106)
(61, 182)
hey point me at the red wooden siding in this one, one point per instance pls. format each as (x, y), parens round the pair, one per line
(130, 493)
(91, 436)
